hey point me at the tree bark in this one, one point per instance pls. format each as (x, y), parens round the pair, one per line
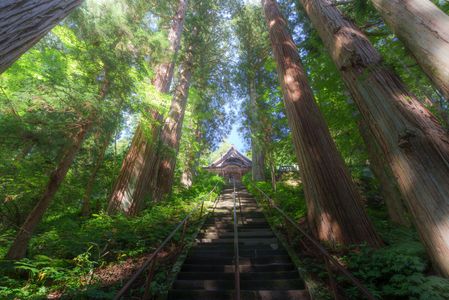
(171, 133)
(24, 22)
(388, 186)
(258, 155)
(423, 28)
(20, 244)
(164, 73)
(135, 180)
(335, 210)
(132, 184)
(193, 155)
(412, 141)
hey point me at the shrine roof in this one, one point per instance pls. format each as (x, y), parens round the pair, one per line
(231, 157)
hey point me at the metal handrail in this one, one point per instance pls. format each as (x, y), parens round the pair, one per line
(149, 261)
(236, 250)
(323, 251)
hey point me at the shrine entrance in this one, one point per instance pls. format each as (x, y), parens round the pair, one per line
(232, 165)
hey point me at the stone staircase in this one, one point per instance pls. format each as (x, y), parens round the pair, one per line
(266, 270)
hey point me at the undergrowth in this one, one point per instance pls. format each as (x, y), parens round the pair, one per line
(65, 252)
(399, 270)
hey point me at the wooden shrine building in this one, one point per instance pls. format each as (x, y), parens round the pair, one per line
(231, 165)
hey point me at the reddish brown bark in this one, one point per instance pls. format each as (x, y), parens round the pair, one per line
(258, 154)
(20, 244)
(132, 184)
(138, 174)
(192, 161)
(335, 210)
(412, 141)
(171, 133)
(423, 28)
(24, 22)
(164, 73)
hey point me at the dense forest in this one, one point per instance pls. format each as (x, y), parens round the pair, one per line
(110, 110)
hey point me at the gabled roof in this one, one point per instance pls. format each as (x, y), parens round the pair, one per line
(231, 157)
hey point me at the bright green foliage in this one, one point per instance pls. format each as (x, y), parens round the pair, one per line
(289, 198)
(67, 251)
(397, 271)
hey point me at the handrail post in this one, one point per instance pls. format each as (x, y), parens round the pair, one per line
(184, 230)
(201, 211)
(150, 276)
(236, 250)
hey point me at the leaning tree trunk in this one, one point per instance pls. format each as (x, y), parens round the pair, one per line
(335, 209)
(24, 22)
(171, 133)
(136, 168)
(20, 244)
(423, 28)
(132, 184)
(412, 141)
(258, 155)
(164, 73)
(388, 186)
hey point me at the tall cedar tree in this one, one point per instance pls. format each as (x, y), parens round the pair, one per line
(138, 168)
(335, 209)
(423, 28)
(411, 139)
(23, 23)
(257, 150)
(172, 130)
(20, 244)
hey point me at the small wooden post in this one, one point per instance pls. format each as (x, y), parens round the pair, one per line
(147, 293)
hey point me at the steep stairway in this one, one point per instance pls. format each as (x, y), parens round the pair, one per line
(266, 270)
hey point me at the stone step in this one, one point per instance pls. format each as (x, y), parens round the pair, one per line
(228, 260)
(243, 241)
(246, 268)
(230, 246)
(244, 294)
(230, 234)
(214, 285)
(266, 270)
(243, 276)
(196, 251)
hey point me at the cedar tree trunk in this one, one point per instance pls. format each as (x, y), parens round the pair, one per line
(20, 244)
(141, 159)
(171, 133)
(335, 209)
(258, 155)
(412, 141)
(132, 185)
(164, 73)
(24, 22)
(424, 29)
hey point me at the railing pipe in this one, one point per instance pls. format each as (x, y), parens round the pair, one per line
(236, 250)
(149, 261)
(320, 247)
